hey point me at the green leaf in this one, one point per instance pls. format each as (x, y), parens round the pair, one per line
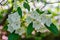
(49, 12)
(26, 0)
(5, 27)
(26, 5)
(30, 28)
(39, 11)
(1, 16)
(21, 0)
(19, 11)
(13, 36)
(53, 29)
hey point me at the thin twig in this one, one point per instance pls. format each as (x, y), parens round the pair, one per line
(53, 2)
(6, 16)
(49, 3)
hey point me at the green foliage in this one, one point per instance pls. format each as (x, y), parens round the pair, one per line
(53, 29)
(10, 3)
(30, 28)
(13, 36)
(19, 11)
(26, 5)
(21, 0)
(5, 27)
(1, 16)
(39, 11)
(26, 0)
(49, 12)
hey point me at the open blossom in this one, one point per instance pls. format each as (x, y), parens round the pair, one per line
(41, 18)
(14, 22)
(38, 20)
(13, 17)
(28, 20)
(10, 28)
(32, 7)
(20, 31)
(45, 20)
(35, 15)
(39, 27)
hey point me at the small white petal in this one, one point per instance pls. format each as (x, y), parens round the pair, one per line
(36, 25)
(28, 20)
(35, 15)
(15, 26)
(20, 31)
(48, 22)
(10, 29)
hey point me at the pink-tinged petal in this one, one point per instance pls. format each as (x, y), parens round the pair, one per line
(4, 32)
(4, 37)
(1, 27)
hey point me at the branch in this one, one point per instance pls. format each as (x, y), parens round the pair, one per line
(52, 3)
(48, 3)
(6, 16)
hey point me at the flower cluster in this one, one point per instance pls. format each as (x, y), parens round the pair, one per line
(38, 20)
(14, 22)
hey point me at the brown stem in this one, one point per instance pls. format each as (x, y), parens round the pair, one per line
(6, 16)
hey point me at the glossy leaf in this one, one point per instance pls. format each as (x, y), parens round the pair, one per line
(26, 5)
(13, 37)
(53, 28)
(19, 11)
(39, 11)
(30, 28)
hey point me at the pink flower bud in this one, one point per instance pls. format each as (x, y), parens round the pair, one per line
(4, 37)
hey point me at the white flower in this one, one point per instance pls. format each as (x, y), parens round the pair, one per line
(14, 21)
(32, 7)
(45, 20)
(28, 20)
(35, 15)
(37, 25)
(13, 17)
(15, 25)
(10, 28)
(20, 31)
(39, 4)
(48, 21)
(24, 11)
